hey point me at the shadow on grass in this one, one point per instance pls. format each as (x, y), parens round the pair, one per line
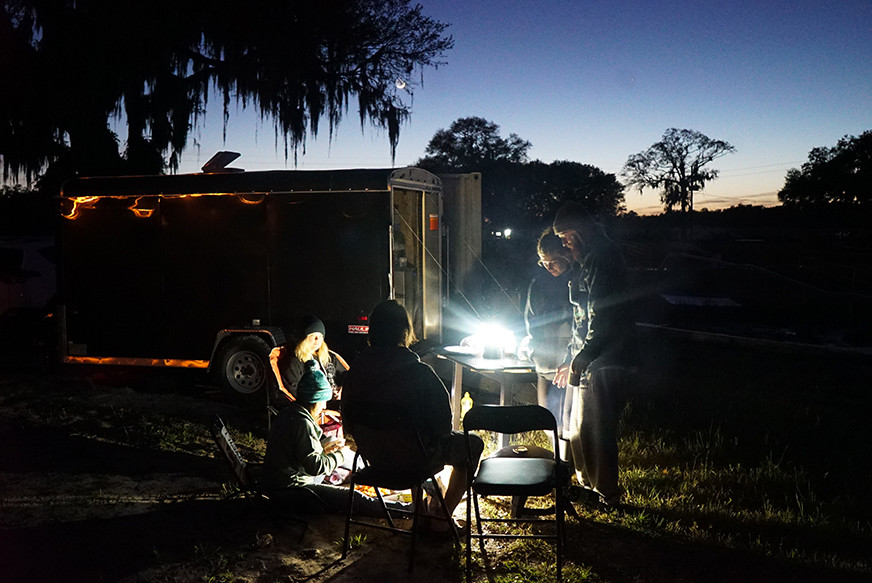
(617, 554)
(100, 549)
(46, 449)
(109, 549)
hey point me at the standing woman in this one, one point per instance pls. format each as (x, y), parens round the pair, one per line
(548, 318)
(289, 365)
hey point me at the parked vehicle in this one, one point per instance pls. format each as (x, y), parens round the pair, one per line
(212, 270)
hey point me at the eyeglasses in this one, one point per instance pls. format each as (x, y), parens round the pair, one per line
(547, 264)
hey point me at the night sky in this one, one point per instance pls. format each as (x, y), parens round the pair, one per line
(595, 82)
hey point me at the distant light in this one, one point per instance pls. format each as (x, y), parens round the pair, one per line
(508, 233)
(498, 233)
(401, 84)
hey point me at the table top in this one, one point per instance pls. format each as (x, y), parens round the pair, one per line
(473, 361)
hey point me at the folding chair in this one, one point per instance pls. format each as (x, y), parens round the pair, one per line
(393, 457)
(520, 476)
(239, 468)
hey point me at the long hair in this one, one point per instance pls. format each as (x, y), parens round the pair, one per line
(390, 325)
(322, 354)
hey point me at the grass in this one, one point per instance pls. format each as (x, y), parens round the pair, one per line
(758, 459)
(696, 488)
(760, 453)
(173, 434)
(753, 452)
(354, 541)
(729, 467)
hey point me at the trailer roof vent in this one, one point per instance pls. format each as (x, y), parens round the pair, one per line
(219, 162)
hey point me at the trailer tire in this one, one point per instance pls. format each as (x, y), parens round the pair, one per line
(243, 366)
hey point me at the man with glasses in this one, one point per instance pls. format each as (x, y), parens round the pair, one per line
(603, 353)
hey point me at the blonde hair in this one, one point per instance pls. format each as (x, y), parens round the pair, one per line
(322, 355)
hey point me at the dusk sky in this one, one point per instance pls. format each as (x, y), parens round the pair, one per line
(595, 82)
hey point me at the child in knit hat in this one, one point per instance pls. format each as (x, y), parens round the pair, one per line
(298, 455)
(295, 454)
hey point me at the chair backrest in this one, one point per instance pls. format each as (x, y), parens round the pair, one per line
(225, 443)
(509, 419)
(385, 437)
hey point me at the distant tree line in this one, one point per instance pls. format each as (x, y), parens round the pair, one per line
(840, 176)
(515, 189)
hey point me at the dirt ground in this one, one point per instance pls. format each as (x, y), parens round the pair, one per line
(79, 502)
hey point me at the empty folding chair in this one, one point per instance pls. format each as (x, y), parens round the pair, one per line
(519, 476)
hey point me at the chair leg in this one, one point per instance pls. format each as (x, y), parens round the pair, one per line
(560, 542)
(472, 501)
(480, 530)
(384, 507)
(416, 522)
(469, 495)
(345, 542)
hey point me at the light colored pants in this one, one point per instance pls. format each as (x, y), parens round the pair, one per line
(559, 402)
(553, 398)
(593, 428)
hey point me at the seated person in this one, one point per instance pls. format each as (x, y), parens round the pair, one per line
(299, 456)
(388, 372)
(288, 365)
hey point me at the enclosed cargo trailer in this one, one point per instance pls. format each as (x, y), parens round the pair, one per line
(212, 270)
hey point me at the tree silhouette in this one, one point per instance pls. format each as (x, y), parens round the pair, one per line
(838, 177)
(552, 185)
(474, 144)
(471, 143)
(516, 192)
(69, 68)
(675, 165)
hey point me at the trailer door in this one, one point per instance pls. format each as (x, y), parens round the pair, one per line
(417, 258)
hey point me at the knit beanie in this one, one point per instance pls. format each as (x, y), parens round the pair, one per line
(310, 325)
(313, 386)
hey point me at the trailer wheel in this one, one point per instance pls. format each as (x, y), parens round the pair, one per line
(243, 366)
